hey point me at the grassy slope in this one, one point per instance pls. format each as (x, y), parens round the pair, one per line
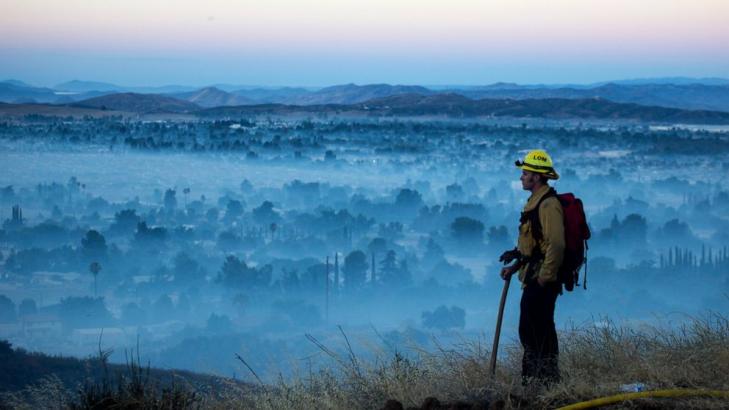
(595, 361)
(35, 380)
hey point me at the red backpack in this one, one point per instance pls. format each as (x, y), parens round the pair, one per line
(576, 234)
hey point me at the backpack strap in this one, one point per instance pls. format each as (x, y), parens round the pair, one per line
(533, 216)
(536, 228)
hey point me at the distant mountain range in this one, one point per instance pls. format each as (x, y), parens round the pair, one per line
(675, 92)
(458, 106)
(688, 96)
(81, 87)
(449, 105)
(670, 80)
(662, 101)
(14, 91)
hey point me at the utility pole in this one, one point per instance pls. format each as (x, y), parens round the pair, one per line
(336, 273)
(326, 293)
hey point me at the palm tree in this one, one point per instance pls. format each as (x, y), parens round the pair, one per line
(95, 268)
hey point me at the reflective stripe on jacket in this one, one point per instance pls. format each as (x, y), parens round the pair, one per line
(552, 244)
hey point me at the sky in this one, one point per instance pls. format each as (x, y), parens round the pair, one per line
(325, 42)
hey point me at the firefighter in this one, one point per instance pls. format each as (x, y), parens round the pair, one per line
(538, 256)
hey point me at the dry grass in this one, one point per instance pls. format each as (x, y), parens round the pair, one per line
(133, 388)
(595, 361)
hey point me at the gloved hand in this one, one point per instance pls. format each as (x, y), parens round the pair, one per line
(509, 256)
(507, 271)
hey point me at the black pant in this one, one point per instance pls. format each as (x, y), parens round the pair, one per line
(538, 335)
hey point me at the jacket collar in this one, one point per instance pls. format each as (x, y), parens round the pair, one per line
(536, 196)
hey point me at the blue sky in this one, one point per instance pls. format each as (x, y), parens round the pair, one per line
(318, 42)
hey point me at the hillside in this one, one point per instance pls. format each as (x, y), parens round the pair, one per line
(18, 368)
(272, 95)
(595, 361)
(345, 94)
(18, 92)
(684, 96)
(79, 86)
(458, 106)
(555, 108)
(352, 94)
(48, 110)
(213, 97)
(138, 103)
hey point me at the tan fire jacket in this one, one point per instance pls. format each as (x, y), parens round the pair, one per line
(552, 245)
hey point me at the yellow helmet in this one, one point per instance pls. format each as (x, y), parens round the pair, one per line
(540, 162)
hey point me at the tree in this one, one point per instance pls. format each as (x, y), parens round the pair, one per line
(229, 241)
(634, 229)
(236, 274)
(265, 214)
(95, 268)
(314, 278)
(233, 210)
(125, 221)
(377, 245)
(409, 198)
(146, 236)
(93, 246)
(467, 230)
(186, 269)
(394, 273)
(455, 192)
(28, 261)
(355, 270)
(498, 235)
(212, 215)
(444, 318)
(390, 231)
(450, 273)
(246, 186)
(674, 231)
(388, 268)
(170, 201)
